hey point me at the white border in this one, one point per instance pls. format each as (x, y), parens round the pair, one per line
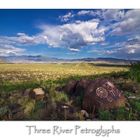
(68, 4)
(18, 130)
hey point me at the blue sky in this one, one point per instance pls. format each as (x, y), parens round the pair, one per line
(71, 33)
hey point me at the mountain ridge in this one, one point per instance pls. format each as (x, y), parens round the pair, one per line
(44, 59)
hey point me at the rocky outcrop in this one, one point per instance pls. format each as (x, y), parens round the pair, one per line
(70, 87)
(97, 94)
(81, 87)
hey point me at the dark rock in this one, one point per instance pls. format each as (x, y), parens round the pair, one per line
(71, 87)
(96, 94)
(14, 108)
(16, 111)
(102, 94)
(81, 87)
(77, 88)
(60, 89)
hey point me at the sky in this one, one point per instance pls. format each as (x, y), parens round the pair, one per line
(71, 33)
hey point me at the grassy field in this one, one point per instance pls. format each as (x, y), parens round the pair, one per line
(15, 78)
(27, 72)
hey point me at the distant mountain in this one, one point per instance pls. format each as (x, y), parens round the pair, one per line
(44, 59)
(27, 59)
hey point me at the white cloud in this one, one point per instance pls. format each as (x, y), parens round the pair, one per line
(78, 34)
(112, 14)
(21, 38)
(129, 24)
(105, 14)
(132, 49)
(66, 17)
(129, 49)
(74, 35)
(7, 50)
(86, 12)
(74, 50)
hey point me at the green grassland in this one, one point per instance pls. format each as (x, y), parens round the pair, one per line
(15, 78)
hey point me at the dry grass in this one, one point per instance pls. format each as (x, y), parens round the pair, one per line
(29, 72)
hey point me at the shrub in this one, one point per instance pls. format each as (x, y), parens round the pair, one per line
(58, 96)
(104, 115)
(29, 108)
(137, 106)
(135, 72)
(3, 111)
(121, 114)
(61, 97)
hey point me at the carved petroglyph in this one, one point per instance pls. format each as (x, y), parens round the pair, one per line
(108, 92)
(101, 92)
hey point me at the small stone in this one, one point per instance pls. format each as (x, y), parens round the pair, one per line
(26, 92)
(37, 94)
(84, 114)
(132, 97)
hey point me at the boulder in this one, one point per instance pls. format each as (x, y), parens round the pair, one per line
(102, 94)
(16, 112)
(37, 94)
(96, 94)
(77, 88)
(81, 86)
(70, 87)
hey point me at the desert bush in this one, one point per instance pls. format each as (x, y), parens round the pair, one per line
(29, 108)
(3, 111)
(120, 114)
(104, 115)
(135, 72)
(137, 106)
(58, 96)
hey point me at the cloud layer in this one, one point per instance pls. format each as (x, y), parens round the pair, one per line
(81, 29)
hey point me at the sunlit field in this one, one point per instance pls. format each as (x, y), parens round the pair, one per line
(37, 72)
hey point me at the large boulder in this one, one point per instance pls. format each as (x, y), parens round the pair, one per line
(96, 94)
(81, 87)
(71, 87)
(102, 94)
(76, 88)
(37, 94)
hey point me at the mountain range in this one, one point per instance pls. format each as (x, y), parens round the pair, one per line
(44, 59)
